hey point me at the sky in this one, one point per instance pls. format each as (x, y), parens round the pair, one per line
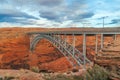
(59, 13)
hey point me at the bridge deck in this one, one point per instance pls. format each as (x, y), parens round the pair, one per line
(73, 55)
(81, 31)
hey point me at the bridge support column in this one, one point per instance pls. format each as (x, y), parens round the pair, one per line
(114, 37)
(53, 36)
(73, 44)
(96, 44)
(59, 40)
(84, 49)
(65, 40)
(102, 41)
(62, 36)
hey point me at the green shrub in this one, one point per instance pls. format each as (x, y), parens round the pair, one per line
(97, 73)
(1, 78)
(58, 77)
(9, 78)
(35, 69)
(94, 73)
(78, 77)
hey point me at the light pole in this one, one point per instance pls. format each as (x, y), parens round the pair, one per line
(104, 20)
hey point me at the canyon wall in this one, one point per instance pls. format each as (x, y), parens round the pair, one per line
(15, 50)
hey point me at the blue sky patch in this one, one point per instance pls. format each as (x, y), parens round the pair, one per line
(63, 13)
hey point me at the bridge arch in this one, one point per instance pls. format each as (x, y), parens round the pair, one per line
(76, 58)
(37, 39)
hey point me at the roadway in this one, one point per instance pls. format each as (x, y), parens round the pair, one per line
(80, 31)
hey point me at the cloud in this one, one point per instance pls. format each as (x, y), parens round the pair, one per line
(80, 17)
(3, 1)
(115, 21)
(36, 3)
(7, 24)
(49, 15)
(65, 14)
(58, 12)
(14, 13)
(7, 15)
(58, 17)
(65, 11)
(85, 15)
(49, 2)
(22, 21)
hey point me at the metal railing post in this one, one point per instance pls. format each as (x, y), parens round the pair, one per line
(65, 41)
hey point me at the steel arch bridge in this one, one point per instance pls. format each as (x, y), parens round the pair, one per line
(73, 55)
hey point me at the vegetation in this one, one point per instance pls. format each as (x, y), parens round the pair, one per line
(57, 77)
(95, 73)
(7, 78)
(0, 78)
(35, 69)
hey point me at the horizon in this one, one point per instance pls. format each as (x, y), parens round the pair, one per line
(60, 13)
